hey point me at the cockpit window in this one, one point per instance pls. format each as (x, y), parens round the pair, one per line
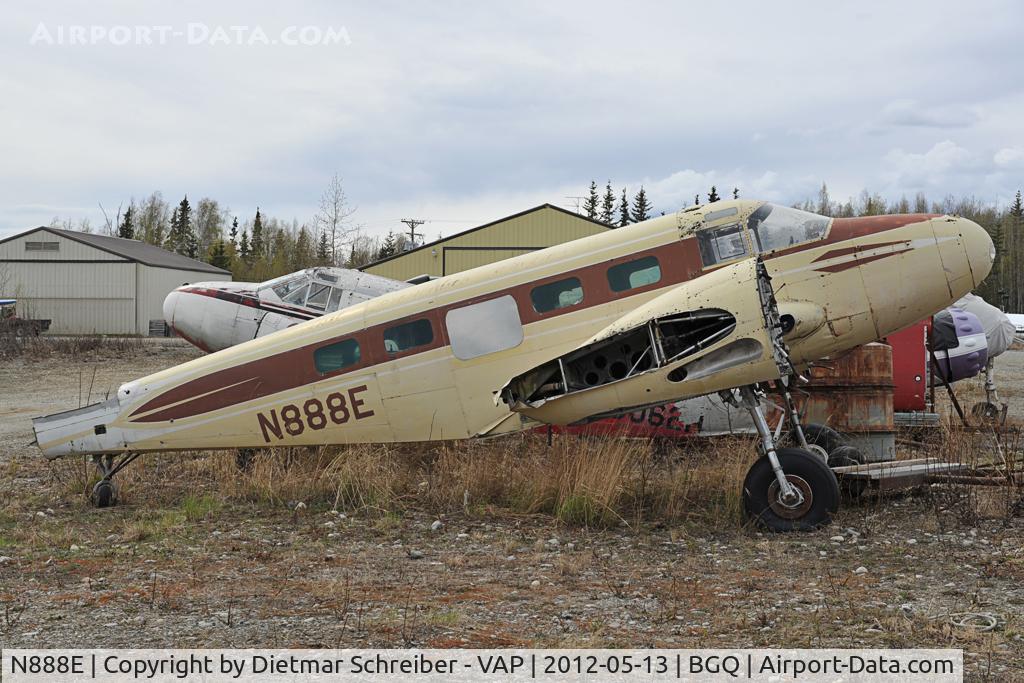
(779, 227)
(285, 288)
(296, 296)
(319, 294)
(721, 244)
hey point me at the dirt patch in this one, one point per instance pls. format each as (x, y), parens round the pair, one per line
(188, 560)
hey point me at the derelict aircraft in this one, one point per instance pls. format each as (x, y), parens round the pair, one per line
(715, 298)
(216, 315)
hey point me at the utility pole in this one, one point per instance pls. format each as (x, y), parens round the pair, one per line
(413, 223)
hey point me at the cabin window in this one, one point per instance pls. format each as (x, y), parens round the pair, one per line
(42, 246)
(408, 335)
(721, 244)
(337, 356)
(638, 273)
(779, 227)
(483, 328)
(319, 294)
(555, 295)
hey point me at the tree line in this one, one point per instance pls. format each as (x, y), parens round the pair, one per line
(259, 247)
(255, 248)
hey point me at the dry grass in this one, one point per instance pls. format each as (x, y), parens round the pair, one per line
(78, 347)
(590, 482)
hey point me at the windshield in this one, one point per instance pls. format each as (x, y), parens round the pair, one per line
(288, 287)
(778, 227)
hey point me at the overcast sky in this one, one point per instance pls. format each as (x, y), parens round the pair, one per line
(463, 112)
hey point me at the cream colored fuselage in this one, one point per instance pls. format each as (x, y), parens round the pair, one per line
(866, 283)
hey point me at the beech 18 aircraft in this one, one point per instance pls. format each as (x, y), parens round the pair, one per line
(719, 298)
(216, 315)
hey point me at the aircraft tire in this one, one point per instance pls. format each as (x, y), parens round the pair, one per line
(805, 471)
(824, 436)
(103, 494)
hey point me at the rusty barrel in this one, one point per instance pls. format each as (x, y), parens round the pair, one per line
(853, 395)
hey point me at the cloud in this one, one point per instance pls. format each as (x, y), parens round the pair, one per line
(457, 109)
(1009, 157)
(907, 112)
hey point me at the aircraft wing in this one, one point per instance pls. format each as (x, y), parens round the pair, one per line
(712, 333)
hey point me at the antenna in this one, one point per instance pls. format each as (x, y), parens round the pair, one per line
(577, 200)
(413, 223)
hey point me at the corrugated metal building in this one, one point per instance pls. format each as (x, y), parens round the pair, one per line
(537, 228)
(94, 284)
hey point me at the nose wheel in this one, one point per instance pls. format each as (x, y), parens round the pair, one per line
(787, 489)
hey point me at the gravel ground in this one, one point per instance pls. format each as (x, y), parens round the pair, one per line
(159, 572)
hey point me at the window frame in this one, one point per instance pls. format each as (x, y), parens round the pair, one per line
(624, 264)
(710, 231)
(464, 346)
(390, 355)
(579, 284)
(358, 362)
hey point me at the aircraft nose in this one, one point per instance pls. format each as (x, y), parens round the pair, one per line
(170, 304)
(981, 252)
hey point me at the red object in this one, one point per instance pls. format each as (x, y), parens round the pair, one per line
(659, 421)
(910, 367)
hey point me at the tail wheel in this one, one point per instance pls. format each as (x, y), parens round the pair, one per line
(809, 475)
(104, 494)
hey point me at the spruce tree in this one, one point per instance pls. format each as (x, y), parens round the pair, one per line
(590, 204)
(389, 247)
(623, 210)
(257, 247)
(641, 209)
(244, 250)
(303, 255)
(234, 233)
(735, 193)
(323, 249)
(219, 255)
(696, 200)
(191, 243)
(126, 229)
(713, 195)
(608, 205)
(174, 235)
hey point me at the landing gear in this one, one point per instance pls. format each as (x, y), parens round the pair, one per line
(991, 410)
(788, 489)
(104, 493)
(815, 487)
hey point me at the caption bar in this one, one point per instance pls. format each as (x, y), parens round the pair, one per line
(428, 666)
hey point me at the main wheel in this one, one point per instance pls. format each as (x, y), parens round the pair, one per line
(812, 478)
(103, 494)
(824, 436)
(985, 411)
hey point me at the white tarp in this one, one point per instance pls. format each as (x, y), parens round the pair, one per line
(999, 331)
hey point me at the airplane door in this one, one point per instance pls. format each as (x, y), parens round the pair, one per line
(246, 323)
(272, 322)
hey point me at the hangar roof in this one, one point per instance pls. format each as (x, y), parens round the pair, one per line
(133, 250)
(427, 245)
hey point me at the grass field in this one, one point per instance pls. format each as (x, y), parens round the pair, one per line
(509, 542)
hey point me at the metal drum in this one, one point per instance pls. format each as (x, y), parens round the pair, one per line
(853, 395)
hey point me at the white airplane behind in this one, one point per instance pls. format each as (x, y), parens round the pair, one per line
(217, 315)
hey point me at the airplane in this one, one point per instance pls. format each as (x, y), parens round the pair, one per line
(967, 337)
(216, 315)
(718, 298)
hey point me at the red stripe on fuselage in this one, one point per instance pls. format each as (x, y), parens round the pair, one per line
(680, 262)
